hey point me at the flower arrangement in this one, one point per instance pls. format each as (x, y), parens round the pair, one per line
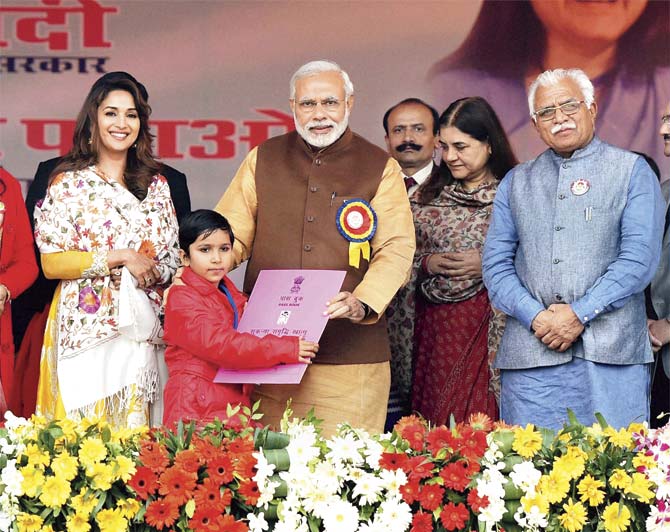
(655, 445)
(440, 464)
(582, 478)
(66, 475)
(197, 479)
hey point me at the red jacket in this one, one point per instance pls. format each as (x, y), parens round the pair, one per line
(200, 338)
(18, 267)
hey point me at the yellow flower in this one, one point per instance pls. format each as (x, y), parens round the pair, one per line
(574, 517)
(128, 507)
(590, 490)
(47, 528)
(55, 492)
(527, 441)
(124, 468)
(616, 517)
(640, 460)
(65, 465)
(77, 523)
(101, 475)
(111, 521)
(640, 487)
(621, 438)
(69, 429)
(33, 479)
(92, 450)
(636, 427)
(571, 463)
(619, 479)
(36, 456)
(84, 502)
(538, 500)
(554, 486)
(29, 522)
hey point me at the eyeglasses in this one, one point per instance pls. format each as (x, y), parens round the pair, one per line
(665, 119)
(567, 108)
(329, 104)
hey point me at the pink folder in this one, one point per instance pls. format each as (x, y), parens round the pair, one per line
(285, 303)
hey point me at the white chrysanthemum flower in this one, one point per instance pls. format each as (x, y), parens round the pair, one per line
(291, 521)
(367, 488)
(395, 514)
(331, 474)
(392, 481)
(12, 479)
(373, 454)
(257, 523)
(525, 477)
(302, 450)
(535, 518)
(339, 516)
(345, 449)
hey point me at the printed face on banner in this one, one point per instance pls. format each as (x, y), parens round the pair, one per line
(320, 108)
(410, 138)
(565, 133)
(211, 256)
(118, 123)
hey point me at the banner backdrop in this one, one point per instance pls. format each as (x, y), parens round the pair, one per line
(217, 71)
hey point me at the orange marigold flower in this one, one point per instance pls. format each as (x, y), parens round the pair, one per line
(161, 513)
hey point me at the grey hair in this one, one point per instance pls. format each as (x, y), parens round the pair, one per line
(552, 77)
(316, 67)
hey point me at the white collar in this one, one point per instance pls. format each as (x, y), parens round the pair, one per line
(421, 175)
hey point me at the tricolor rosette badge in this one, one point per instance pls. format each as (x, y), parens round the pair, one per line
(357, 222)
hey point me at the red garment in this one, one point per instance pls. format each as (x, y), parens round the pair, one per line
(18, 268)
(451, 375)
(200, 337)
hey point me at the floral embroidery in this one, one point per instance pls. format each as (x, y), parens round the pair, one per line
(89, 301)
(99, 268)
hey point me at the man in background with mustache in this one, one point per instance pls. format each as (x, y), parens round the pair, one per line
(574, 239)
(411, 128)
(283, 207)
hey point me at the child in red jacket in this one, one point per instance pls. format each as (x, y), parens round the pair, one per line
(201, 316)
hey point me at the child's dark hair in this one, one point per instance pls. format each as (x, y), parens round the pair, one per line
(202, 222)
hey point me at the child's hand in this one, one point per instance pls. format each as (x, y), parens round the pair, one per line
(307, 351)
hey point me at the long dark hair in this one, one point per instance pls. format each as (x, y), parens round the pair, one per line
(475, 117)
(509, 36)
(140, 163)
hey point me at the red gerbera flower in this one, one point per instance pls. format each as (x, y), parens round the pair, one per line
(161, 513)
(473, 443)
(220, 469)
(415, 433)
(455, 475)
(144, 482)
(430, 496)
(440, 438)
(205, 519)
(410, 491)
(226, 497)
(419, 467)
(422, 522)
(249, 491)
(244, 464)
(241, 446)
(472, 467)
(154, 456)
(393, 461)
(177, 484)
(404, 421)
(188, 460)
(476, 502)
(454, 516)
(205, 449)
(227, 523)
(208, 494)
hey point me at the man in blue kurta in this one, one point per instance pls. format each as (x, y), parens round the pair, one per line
(574, 239)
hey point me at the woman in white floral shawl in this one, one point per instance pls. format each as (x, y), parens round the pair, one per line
(106, 223)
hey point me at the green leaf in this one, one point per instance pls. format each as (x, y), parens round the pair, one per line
(189, 508)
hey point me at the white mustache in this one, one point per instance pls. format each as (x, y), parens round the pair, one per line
(320, 123)
(561, 127)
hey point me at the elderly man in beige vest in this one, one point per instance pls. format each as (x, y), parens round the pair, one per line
(283, 205)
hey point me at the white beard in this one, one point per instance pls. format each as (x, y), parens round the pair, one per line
(321, 141)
